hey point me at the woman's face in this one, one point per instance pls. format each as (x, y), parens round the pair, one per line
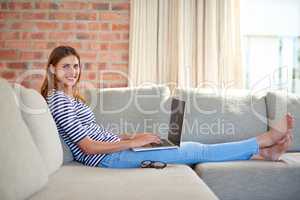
(67, 71)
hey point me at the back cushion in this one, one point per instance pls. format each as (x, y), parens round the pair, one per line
(39, 120)
(279, 103)
(129, 110)
(214, 117)
(22, 170)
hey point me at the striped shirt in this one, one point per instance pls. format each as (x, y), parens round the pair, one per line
(75, 121)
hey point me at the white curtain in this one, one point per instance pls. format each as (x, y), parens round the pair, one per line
(143, 42)
(218, 44)
(187, 43)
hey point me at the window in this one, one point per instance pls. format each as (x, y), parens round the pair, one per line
(270, 32)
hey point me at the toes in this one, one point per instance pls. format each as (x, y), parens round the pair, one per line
(287, 144)
(290, 120)
(283, 140)
(290, 140)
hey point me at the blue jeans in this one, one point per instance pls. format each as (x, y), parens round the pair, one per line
(188, 153)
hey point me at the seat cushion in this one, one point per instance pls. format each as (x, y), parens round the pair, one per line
(81, 182)
(222, 116)
(38, 118)
(280, 102)
(22, 170)
(253, 180)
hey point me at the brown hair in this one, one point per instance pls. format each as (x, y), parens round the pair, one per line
(50, 81)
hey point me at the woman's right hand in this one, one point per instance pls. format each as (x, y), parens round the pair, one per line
(143, 139)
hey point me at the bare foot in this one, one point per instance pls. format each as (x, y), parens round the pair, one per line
(274, 152)
(277, 132)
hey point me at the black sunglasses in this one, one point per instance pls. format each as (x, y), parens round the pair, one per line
(153, 164)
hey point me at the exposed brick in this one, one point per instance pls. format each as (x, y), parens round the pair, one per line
(8, 74)
(92, 75)
(73, 5)
(88, 66)
(3, 5)
(125, 36)
(110, 56)
(120, 6)
(125, 57)
(98, 30)
(35, 77)
(103, 75)
(18, 44)
(109, 36)
(23, 25)
(34, 35)
(97, 46)
(2, 65)
(46, 5)
(9, 15)
(119, 46)
(9, 35)
(76, 45)
(2, 25)
(61, 16)
(31, 56)
(74, 26)
(47, 25)
(38, 65)
(112, 84)
(8, 54)
(86, 36)
(86, 16)
(19, 5)
(61, 35)
(34, 16)
(17, 65)
(102, 66)
(95, 66)
(88, 56)
(96, 26)
(82, 36)
(43, 45)
(112, 16)
(100, 6)
(120, 27)
(119, 66)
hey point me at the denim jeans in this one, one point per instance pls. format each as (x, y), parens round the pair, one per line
(188, 153)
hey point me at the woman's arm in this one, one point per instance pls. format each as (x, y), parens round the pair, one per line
(126, 136)
(90, 146)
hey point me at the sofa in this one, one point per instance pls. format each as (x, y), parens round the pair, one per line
(36, 164)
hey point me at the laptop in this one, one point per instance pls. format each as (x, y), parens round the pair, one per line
(174, 132)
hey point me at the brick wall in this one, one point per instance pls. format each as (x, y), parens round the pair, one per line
(99, 30)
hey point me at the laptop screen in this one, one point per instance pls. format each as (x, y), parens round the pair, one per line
(176, 120)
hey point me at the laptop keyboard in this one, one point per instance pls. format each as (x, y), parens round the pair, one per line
(163, 143)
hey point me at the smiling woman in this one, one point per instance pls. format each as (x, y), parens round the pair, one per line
(67, 71)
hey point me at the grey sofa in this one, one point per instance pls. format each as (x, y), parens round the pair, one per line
(36, 164)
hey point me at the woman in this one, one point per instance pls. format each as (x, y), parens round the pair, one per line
(92, 145)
